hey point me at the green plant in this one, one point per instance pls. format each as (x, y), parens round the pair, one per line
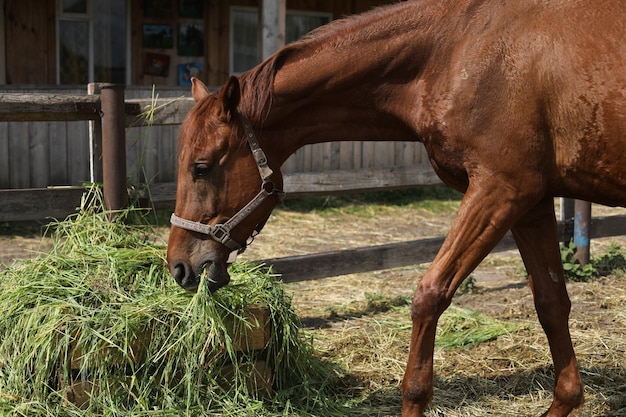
(468, 286)
(613, 260)
(380, 303)
(573, 270)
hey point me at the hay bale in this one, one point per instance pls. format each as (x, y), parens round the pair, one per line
(99, 324)
(250, 339)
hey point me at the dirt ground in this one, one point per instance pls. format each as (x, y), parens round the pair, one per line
(294, 233)
(507, 376)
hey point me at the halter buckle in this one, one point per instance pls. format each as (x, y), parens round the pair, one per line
(259, 156)
(220, 233)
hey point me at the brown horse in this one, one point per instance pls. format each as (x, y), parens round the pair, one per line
(516, 102)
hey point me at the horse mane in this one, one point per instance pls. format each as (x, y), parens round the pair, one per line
(257, 87)
(257, 84)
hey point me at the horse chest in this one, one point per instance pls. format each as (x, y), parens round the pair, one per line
(448, 161)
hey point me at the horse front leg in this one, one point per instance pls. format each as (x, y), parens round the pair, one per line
(537, 240)
(485, 215)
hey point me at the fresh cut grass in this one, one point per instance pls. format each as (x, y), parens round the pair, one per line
(101, 308)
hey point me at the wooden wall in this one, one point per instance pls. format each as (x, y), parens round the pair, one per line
(216, 19)
(38, 154)
(41, 154)
(57, 153)
(30, 41)
(30, 34)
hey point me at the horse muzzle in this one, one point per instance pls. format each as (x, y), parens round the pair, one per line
(189, 277)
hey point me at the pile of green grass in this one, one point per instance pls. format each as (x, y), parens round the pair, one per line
(461, 328)
(151, 348)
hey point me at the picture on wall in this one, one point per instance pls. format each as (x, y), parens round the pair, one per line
(157, 64)
(192, 9)
(158, 36)
(186, 71)
(190, 39)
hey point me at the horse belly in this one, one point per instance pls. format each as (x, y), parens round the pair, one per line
(593, 167)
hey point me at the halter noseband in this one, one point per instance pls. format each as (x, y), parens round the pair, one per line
(221, 232)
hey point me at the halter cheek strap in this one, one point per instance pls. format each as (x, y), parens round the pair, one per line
(221, 232)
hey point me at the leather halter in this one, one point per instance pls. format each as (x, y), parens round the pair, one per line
(221, 232)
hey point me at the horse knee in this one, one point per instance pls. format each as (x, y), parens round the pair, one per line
(428, 303)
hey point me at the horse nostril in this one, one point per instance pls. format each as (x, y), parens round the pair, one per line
(184, 275)
(179, 272)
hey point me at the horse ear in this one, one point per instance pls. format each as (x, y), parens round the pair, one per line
(231, 94)
(198, 89)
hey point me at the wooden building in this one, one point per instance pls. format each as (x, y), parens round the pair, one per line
(146, 42)
(58, 46)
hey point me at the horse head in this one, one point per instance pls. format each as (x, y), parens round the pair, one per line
(225, 188)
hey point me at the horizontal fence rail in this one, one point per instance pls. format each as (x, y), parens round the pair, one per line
(39, 203)
(48, 107)
(394, 255)
(159, 112)
(57, 202)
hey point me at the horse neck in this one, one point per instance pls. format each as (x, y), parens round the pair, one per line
(353, 81)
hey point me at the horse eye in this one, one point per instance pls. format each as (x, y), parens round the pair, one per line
(201, 170)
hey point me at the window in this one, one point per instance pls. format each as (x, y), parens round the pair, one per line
(244, 26)
(92, 39)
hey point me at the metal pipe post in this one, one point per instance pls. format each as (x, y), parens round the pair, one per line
(567, 219)
(582, 223)
(113, 147)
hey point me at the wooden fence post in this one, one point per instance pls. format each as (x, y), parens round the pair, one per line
(272, 27)
(113, 146)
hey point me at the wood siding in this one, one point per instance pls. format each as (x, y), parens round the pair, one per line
(30, 41)
(216, 35)
(30, 25)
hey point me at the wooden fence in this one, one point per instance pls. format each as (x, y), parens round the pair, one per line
(26, 204)
(56, 153)
(51, 117)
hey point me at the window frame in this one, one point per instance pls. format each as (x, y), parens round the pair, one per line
(74, 17)
(234, 9)
(88, 18)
